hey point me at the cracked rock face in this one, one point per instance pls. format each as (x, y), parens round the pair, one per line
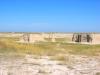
(43, 65)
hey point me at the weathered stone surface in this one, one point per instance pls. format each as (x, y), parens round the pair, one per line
(43, 65)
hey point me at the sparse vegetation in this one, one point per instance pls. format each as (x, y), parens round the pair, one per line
(47, 48)
(60, 39)
(60, 58)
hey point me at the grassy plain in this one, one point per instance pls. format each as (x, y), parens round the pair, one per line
(9, 45)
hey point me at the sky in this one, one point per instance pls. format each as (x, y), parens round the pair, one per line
(49, 15)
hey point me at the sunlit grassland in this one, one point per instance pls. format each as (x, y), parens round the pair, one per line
(9, 45)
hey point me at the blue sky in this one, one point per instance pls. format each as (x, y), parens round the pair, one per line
(49, 15)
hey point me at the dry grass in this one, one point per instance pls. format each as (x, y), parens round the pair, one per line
(8, 45)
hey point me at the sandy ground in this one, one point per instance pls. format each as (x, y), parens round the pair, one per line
(44, 65)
